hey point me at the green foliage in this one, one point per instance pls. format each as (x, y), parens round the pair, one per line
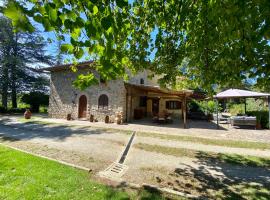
(209, 42)
(3, 109)
(262, 117)
(35, 100)
(20, 53)
(83, 81)
(237, 109)
(208, 107)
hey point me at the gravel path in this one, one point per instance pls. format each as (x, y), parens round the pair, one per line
(97, 148)
(60, 132)
(196, 128)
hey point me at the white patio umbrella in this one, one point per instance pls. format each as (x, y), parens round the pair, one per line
(236, 93)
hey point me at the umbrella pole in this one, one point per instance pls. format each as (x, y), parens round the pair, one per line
(217, 113)
(245, 106)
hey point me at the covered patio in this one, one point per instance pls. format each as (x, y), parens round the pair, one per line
(241, 94)
(147, 102)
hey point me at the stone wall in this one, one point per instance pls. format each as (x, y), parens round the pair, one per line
(64, 97)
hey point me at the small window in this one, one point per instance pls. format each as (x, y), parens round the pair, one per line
(142, 81)
(172, 105)
(143, 101)
(103, 101)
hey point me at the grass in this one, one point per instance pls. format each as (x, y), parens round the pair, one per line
(24, 176)
(220, 157)
(208, 141)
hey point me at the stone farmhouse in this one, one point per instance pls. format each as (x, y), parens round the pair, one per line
(135, 99)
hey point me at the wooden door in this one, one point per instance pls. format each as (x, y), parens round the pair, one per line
(155, 106)
(82, 106)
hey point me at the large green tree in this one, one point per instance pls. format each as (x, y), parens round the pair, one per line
(210, 42)
(20, 53)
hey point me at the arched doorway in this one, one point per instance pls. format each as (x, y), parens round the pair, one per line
(82, 106)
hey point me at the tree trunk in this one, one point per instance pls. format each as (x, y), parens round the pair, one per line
(13, 86)
(5, 86)
(13, 75)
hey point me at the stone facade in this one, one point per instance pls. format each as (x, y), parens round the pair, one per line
(64, 98)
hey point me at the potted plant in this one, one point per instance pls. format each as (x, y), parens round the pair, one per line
(69, 117)
(27, 114)
(107, 119)
(259, 120)
(91, 118)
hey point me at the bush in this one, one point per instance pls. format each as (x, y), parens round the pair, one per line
(262, 117)
(236, 109)
(16, 110)
(208, 107)
(35, 100)
(3, 109)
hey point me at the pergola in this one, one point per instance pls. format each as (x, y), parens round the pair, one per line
(236, 93)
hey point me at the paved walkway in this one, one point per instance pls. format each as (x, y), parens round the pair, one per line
(196, 128)
(63, 132)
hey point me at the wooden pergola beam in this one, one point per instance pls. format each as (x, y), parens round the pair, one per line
(184, 109)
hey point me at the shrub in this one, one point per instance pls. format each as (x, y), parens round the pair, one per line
(3, 109)
(262, 117)
(35, 99)
(204, 106)
(236, 109)
(16, 110)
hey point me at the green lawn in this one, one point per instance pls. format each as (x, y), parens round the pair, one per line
(208, 141)
(221, 157)
(23, 176)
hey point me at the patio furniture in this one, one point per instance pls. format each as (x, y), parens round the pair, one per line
(222, 118)
(244, 94)
(243, 121)
(162, 118)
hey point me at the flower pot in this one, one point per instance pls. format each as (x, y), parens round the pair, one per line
(258, 125)
(91, 118)
(27, 114)
(68, 117)
(107, 119)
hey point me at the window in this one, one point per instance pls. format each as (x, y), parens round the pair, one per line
(171, 105)
(143, 101)
(142, 81)
(103, 101)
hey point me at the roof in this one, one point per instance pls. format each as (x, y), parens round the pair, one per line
(157, 89)
(67, 66)
(236, 93)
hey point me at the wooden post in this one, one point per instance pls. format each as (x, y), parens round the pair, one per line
(130, 107)
(245, 106)
(185, 111)
(217, 113)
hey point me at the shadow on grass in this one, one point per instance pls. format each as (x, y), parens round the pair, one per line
(224, 180)
(30, 130)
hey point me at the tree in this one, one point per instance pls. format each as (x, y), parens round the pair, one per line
(36, 99)
(21, 52)
(209, 42)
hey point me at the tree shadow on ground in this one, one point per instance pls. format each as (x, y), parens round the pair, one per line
(30, 130)
(219, 180)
